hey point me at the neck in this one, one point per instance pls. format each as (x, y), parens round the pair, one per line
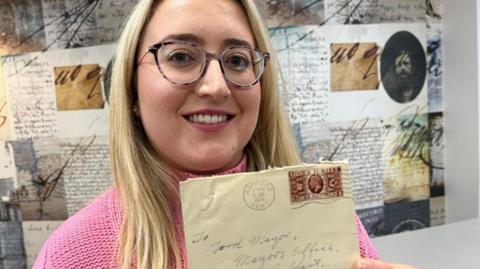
(240, 167)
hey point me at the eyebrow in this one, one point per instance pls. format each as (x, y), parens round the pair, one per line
(234, 41)
(182, 37)
(194, 39)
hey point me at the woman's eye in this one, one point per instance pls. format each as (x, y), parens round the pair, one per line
(180, 57)
(237, 62)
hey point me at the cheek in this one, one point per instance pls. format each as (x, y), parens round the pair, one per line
(148, 83)
(158, 106)
(256, 100)
(250, 104)
(154, 93)
(256, 107)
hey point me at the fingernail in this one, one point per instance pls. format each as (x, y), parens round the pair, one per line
(364, 264)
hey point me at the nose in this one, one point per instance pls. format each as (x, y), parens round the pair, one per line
(213, 83)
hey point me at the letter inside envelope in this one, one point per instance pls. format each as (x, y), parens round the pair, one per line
(284, 218)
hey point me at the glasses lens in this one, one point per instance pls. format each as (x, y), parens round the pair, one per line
(181, 63)
(242, 66)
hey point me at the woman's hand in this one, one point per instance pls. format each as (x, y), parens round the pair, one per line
(376, 264)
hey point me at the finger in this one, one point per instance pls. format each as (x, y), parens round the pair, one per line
(377, 264)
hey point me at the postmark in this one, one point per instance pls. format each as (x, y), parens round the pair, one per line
(315, 184)
(408, 225)
(259, 194)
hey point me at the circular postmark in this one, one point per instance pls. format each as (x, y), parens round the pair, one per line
(259, 194)
(408, 225)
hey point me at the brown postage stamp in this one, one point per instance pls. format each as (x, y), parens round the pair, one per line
(315, 184)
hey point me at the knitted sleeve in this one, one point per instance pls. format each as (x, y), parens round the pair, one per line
(86, 240)
(367, 250)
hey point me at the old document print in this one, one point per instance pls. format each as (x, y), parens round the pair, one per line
(78, 87)
(294, 217)
(354, 66)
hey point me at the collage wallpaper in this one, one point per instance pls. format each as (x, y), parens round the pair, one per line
(361, 80)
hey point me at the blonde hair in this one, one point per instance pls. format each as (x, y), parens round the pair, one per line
(147, 237)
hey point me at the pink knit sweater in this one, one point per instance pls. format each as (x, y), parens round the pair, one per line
(89, 238)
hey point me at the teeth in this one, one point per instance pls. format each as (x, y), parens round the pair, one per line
(207, 119)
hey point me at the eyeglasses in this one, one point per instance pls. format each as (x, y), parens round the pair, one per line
(183, 63)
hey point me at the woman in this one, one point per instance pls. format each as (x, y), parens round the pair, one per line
(186, 100)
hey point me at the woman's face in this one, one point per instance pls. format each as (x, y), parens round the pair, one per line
(175, 118)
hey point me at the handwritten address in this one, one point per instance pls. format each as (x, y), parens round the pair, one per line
(281, 250)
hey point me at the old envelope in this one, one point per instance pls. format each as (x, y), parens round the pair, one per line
(294, 218)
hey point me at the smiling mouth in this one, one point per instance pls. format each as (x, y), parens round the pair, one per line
(208, 119)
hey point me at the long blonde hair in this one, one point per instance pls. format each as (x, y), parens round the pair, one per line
(147, 237)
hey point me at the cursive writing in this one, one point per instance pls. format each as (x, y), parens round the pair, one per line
(275, 250)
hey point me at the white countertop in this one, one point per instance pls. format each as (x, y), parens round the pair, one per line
(450, 246)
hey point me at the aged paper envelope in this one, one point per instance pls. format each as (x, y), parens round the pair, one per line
(287, 218)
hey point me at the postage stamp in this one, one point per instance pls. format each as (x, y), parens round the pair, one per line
(315, 184)
(259, 194)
